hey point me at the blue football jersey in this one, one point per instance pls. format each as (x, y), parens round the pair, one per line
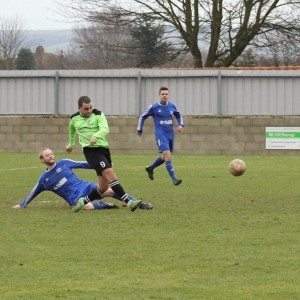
(163, 119)
(62, 181)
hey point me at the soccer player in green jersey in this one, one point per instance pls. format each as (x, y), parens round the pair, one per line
(92, 127)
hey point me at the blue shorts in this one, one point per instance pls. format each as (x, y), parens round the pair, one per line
(84, 189)
(164, 144)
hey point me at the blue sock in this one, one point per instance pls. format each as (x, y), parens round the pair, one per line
(99, 205)
(170, 169)
(159, 161)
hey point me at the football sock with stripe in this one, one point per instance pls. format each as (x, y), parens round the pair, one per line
(119, 191)
(93, 195)
(115, 196)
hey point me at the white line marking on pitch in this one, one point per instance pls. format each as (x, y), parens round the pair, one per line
(4, 170)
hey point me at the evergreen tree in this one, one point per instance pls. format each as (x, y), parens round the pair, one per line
(149, 45)
(25, 60)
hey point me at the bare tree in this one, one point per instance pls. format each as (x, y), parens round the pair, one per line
(12, 36)
(102, 46)
(141, 44)
(282, 49)
(222, 28)
(247, 59)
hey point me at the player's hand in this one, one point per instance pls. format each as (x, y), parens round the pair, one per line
(180, 129)
(68, 149)
(93, 141)
(139, 132)
(16, 206)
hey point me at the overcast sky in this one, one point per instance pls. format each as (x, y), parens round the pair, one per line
(35, 14)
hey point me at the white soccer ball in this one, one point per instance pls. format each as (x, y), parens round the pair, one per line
(237, 167)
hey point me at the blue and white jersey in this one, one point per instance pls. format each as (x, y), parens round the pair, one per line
(163, 119)
(62, 181)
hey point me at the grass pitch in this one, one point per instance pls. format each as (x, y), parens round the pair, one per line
(216, 236)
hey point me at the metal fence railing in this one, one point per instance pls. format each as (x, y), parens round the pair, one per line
(131, 91)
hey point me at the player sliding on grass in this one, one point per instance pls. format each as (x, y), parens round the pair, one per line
(91, 126)
(60, 179)
(162, 113)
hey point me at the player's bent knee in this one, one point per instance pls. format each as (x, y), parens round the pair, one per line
(89, 206)
(109, 174)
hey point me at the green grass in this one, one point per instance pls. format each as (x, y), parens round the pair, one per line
(216, 236)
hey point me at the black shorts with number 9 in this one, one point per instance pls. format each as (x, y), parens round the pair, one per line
(99, 158)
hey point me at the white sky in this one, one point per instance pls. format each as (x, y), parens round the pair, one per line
(35, 14)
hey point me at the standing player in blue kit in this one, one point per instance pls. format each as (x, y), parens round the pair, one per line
(162, 113)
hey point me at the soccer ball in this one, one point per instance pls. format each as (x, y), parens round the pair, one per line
(237, 167)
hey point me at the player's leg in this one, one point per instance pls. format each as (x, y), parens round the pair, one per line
(150, 169)
(167, 155)
(100, 160)
(100, 205)
(115, 185)
(158, 162)
(144, 205)
(94, 194)
(91, 187)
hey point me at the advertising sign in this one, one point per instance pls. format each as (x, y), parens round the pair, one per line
(283, 138)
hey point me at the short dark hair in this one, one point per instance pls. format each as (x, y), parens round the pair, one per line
(83, 99)
(163, 88)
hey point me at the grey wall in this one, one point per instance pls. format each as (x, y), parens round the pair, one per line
(131, 91)
(239, 135)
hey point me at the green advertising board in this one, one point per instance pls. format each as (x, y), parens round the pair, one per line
(283, 138)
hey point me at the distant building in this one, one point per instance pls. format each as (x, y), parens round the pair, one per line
(48, 61)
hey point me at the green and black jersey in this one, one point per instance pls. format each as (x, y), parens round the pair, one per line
(95, 126)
